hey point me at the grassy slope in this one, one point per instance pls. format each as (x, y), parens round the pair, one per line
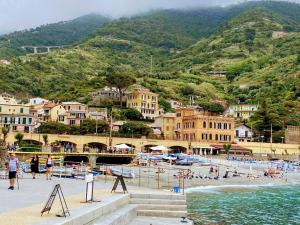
(265, 67)
(62, 33)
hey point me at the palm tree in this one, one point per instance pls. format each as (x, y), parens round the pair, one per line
(227, 148)
(19, 137)
(5, 131)
(45, 138)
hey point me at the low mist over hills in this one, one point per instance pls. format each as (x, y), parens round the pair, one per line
(257, 44)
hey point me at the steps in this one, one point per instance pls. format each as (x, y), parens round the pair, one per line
(122, 216)
(162, 213)
(160, 205)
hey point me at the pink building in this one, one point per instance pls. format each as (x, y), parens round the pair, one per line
(75, 112)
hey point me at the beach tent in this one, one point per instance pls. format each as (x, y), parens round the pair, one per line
(159, 148)
(122, 146)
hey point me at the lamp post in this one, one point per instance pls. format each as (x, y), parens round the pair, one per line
(96, 123)
(131, 138)
(262, 139)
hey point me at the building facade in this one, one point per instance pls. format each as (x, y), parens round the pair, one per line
(166, 124)
(195, 124)
(16, 116)
(242, 133)
(75, 112)
(49, 112)
(241, 111)
(37, 101)
(143, 100)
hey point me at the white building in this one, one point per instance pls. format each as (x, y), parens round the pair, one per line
(37, 101)
(242, 133)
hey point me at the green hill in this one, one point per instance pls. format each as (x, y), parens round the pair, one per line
(62, 33)
(257, 44)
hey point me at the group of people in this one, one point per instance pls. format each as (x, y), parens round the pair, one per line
(13, 166)
(35, 164)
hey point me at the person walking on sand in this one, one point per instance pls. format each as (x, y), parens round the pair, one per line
(34, 165)
(49, 165)
(13, 168)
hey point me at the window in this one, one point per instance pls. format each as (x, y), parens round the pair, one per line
(0, 109)
(204, 124)
(21, 110)
(72, 122)
(246, 133)
(167, 128)
(30, 121)
(216, 137)
(24, 120)
(210, 124)
(14, 128)
(237, 133)
(210, 136)
(193, 125)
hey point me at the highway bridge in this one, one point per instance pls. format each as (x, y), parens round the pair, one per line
(42, 48)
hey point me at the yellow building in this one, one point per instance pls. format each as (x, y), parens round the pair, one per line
(143, 100)
(49, 112)
(15, 115)
(166, 123)
(195, 124)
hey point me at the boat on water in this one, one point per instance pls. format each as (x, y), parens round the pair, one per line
(121, 172)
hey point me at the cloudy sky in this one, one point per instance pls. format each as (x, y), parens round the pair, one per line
(22, 14)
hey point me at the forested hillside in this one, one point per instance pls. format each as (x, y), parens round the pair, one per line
(257, 44)
(62, 33)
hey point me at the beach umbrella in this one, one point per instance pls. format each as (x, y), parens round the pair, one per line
(122, 146)
(159, 148)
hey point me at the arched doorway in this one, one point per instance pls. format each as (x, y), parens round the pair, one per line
(113, 160)
(69, 160)
(123, 150)
(177, 149)
(63, 146)
(32, 142)
(30, 145)
(147, 148)
(95, 147)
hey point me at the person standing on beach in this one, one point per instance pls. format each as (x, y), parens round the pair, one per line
(34, 165)
(13, 168)
(49, 165)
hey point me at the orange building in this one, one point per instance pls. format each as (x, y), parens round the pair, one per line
(195, 124)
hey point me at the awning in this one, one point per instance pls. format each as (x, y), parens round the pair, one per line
(159, 148)
(122, 146)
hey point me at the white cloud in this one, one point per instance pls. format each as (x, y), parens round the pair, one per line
(22, 14)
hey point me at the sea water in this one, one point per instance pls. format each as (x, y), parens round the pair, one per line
(245, 204)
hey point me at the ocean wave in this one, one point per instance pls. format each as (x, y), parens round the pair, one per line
(213, 188)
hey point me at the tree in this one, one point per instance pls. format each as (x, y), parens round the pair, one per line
(53, 128)
(45, 138)
(227, 148)
(264, 117)
(132, 114)
(19, 137)
(136, 128)
(5, 131)
(120, 77)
